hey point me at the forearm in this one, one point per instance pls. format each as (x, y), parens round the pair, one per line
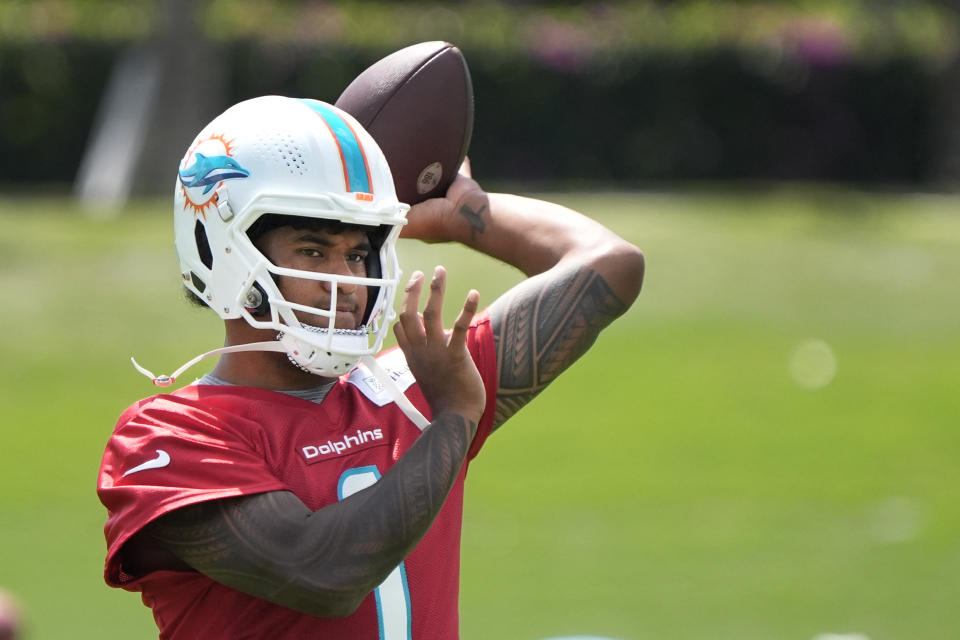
(535, 236)
(325, 562)
(391, 518)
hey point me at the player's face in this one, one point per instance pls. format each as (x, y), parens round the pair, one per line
(322, 252)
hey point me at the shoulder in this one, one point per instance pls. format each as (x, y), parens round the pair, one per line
(205, 411)
(179, 404)
(156, 411)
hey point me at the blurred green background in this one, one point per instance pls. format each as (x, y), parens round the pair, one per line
(764, 446)
(696, 476)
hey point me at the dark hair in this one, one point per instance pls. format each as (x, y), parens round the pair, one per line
(271, 221)
(194, 299)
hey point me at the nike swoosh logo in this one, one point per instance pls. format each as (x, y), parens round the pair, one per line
(162, 460)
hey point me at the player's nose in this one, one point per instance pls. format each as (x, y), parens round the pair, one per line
(340, 268)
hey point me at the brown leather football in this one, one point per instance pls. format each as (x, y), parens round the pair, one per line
(417, 103)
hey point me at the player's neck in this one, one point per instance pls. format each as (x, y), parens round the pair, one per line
(262, 369)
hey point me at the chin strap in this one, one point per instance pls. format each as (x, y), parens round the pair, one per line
(395, 393)
(398, 397)
(166, 381)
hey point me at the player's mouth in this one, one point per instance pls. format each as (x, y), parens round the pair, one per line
(347, 316)
(347, 319)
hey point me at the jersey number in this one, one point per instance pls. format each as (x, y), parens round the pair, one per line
(393, 594)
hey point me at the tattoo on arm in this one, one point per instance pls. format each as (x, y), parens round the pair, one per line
(474, 218)
(322, 562)
(542, 326)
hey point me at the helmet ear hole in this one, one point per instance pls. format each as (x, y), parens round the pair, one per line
(197, 282)
(203, 245)
(257, 303)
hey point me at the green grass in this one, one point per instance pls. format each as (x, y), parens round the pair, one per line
(676, 483)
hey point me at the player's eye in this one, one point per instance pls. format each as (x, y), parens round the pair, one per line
(357, 257)
(311, 252)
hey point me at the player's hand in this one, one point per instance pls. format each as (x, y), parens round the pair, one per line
(440, 360)
(451, 217)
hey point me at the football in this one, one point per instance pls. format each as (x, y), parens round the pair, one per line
(417, 103)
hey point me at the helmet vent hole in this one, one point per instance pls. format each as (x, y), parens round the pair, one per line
(197, 282)
(203, 245)
(281, 147)
(294, 157)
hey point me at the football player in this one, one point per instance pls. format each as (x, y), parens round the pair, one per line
(310, 486)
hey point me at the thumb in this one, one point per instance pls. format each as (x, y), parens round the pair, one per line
(425, 219)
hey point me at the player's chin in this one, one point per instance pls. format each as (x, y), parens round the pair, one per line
(344, 320)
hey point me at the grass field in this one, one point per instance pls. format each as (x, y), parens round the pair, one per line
(699, 475)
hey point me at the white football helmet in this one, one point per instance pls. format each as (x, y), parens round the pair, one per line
(306, 158)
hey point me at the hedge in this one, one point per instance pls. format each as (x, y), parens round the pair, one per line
(714, 115)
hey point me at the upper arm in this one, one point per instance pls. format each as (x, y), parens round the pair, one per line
(545, 323)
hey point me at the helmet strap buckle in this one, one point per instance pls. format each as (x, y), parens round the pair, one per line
(223, 203)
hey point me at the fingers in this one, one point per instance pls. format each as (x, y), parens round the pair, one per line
(409, 325)
(462, 324)
(416, 329)
(432, 313)
(401, 336)
(411, 294)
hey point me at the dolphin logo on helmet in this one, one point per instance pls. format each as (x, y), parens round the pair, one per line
(208, 171)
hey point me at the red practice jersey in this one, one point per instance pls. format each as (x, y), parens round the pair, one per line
(205, 442)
